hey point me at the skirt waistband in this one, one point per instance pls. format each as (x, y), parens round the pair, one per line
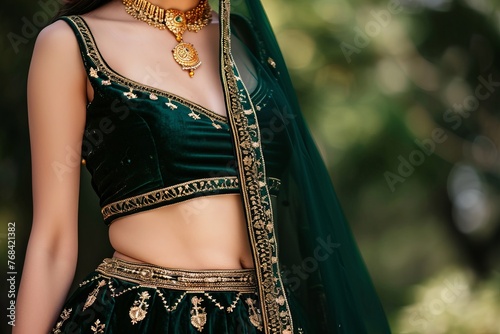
(243, 280)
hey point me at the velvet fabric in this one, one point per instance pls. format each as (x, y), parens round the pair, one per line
(112, 312)
(311, 276)
(139, 139)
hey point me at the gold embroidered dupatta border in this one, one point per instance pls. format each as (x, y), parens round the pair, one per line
(245, 134)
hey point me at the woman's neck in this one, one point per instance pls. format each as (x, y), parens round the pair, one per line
(183, 5)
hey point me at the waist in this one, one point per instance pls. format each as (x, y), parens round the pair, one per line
(192, 234)
(243, 280)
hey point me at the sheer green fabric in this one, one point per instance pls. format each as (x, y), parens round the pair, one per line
(328, 287)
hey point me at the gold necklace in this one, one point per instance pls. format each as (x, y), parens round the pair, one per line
(177, 22)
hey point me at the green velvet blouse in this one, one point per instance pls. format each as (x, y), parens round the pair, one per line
(147, 148)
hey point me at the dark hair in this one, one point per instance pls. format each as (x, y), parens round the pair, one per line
(77, 7)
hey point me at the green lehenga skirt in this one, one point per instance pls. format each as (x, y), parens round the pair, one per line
(121, 297)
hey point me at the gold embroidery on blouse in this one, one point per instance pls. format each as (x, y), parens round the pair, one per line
(64, 316)
(106, 82)
(140, 308)
(95, 55)
(130, 94)
(98, 328)
(153, 97)
(271, 62)
(198, 314)
(93, 73)
(194, 115)
(170, 104)
(174, 192)
(276, 317)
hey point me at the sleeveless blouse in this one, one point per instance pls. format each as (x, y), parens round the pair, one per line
(146, 148)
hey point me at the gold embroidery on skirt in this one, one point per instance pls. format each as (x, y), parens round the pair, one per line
(93, 295)
(230, 308)
(140, 308)
(254, 313)
(90, 280)
(198, 314)
(98, 328)
(64, 316)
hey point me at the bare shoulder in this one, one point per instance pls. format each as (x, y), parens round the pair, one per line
(56, 64)
(56, 35)
(57, 51)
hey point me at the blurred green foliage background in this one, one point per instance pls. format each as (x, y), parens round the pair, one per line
(403, 99)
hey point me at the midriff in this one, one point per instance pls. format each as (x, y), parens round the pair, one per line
(206, 232)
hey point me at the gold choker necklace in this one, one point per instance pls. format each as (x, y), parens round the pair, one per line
(177, 22)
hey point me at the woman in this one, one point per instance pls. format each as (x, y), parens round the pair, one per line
(220, 210)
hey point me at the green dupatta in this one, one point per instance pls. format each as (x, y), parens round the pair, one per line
(310, 274)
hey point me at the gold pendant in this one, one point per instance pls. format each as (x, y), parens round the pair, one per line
(175, 21)
(186, 55)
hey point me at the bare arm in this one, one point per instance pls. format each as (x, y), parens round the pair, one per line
(56, 108)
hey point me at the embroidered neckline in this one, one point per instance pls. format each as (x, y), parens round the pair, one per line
(127, 83)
